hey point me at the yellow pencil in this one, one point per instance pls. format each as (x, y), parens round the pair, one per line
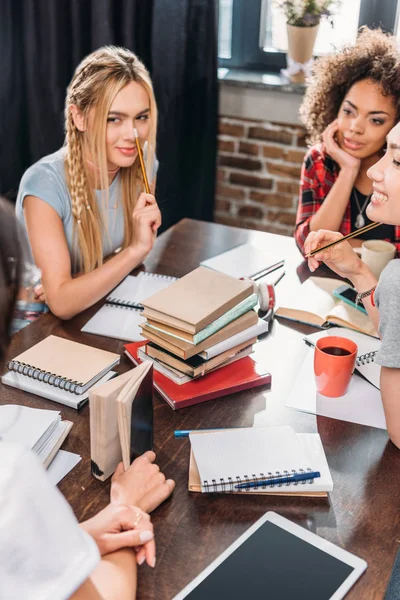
(142, 166)
(346, 237)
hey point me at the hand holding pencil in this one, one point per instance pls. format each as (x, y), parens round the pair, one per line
(340, 257)
(147, 199)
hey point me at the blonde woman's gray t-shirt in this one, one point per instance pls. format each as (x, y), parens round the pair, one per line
(46, 180)
(387, 299)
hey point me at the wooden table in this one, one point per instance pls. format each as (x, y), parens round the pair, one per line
(361, 514)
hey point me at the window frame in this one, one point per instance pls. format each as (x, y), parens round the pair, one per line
(246, 14)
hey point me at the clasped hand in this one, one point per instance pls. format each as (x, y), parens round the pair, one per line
(146, 219)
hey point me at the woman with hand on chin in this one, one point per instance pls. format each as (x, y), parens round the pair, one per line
(88, 221)
(351, 103)
(381, 299)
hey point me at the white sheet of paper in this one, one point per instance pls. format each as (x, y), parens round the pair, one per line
(25, 425)
(61, 465)
(243, 261)
(361, 404)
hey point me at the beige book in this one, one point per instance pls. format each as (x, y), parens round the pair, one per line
(64, 364)
(315, 304)
(196, 365)
(185, 349)
(197, 299)
(117, 408)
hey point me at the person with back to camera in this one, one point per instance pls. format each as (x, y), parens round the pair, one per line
(88, 221)
(44, 553)
(350, 105)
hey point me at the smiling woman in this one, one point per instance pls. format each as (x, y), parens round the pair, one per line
(82, 204)
(351, 103)
(381, 299)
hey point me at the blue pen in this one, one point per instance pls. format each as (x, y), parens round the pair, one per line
(276, 480)
(179, 433)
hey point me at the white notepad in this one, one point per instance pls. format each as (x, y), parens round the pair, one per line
(243, 261)
(121, 317)
(231, 456)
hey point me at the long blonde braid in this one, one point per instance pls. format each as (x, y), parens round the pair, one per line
(97, 80)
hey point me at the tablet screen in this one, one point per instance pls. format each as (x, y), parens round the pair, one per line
(275, 564)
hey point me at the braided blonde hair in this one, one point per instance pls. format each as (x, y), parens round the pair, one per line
(96, 82)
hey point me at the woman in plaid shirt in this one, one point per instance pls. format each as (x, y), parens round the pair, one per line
(351, 104)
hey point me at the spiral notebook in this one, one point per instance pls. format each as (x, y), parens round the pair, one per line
(121, 316)
(228, 457)
(69, 368)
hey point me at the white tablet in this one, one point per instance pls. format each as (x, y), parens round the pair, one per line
(278, 560)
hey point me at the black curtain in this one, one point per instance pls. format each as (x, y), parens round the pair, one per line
(42, 41)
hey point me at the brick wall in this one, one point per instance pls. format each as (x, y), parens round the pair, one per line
(258, 174)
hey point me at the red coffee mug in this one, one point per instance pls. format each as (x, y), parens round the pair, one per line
(334, 362)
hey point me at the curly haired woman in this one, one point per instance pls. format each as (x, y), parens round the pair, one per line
(83, 203)
(351, 104)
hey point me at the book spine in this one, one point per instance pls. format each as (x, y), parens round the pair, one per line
(228, 485)
(239, 310)
(74, 387)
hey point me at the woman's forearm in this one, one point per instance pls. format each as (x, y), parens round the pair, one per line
(331, 212)
(68, 298)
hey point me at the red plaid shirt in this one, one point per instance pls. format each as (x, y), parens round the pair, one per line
(318, 174)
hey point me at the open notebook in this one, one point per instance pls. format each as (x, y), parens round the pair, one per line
(120, 317)
(314, 304)
(220, 459)
(60, 370)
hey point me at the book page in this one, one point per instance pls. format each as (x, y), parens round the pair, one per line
(313, 297)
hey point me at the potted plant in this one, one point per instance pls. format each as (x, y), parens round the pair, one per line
(302, 23)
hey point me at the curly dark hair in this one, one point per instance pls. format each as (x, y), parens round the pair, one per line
(374, 56)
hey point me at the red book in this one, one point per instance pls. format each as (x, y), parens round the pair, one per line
(240, 375)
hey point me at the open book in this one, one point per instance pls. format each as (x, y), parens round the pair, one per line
(315, 304)
(221, 458)
(121, 420)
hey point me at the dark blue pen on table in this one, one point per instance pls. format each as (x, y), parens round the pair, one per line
(276, 480)
(179, 433)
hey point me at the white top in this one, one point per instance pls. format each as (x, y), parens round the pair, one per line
(44, 554)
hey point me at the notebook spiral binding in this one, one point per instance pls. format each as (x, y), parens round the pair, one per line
(131, 304)
(111, 301)
(222, 485)
(74, 387)
(367, 358)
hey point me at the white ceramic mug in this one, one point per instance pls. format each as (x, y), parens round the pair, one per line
(376, 254)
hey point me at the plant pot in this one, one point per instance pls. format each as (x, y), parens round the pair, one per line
(301, 42)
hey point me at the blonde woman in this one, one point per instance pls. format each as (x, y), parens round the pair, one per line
(84, 203)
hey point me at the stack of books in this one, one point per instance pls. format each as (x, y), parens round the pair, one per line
(200, 323)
